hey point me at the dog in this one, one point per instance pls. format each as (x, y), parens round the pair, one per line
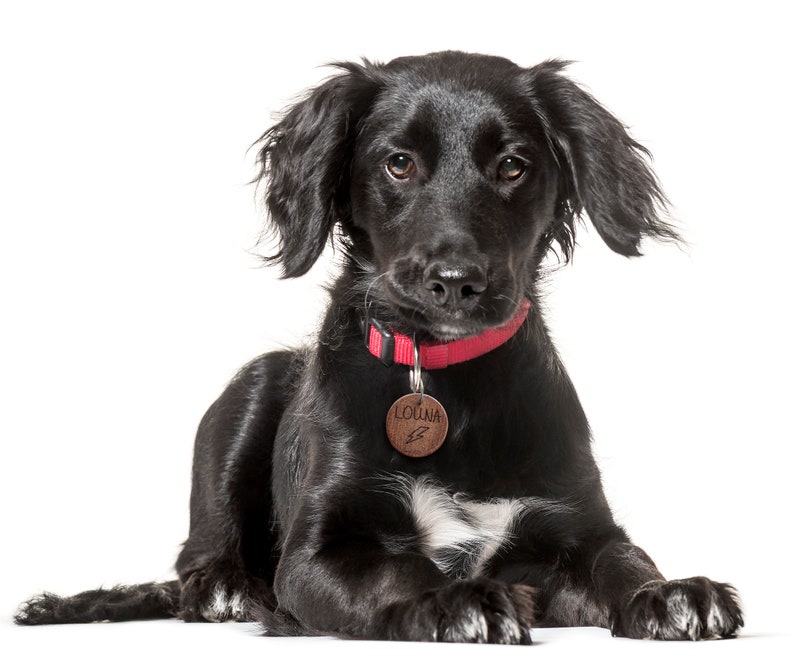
(423, 470)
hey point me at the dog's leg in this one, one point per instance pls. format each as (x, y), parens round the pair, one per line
(630, 596)
(140, 602)
(352, 563)
(643, 604)
(359, 589)
(227, 563)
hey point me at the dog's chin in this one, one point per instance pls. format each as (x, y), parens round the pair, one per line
(450, 325)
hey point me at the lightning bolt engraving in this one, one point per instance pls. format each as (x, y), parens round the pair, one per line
(416, 434)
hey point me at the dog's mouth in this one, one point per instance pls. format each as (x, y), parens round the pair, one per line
(414, 316)
(442, 330)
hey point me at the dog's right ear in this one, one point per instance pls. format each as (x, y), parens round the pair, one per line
(305, 160)
(603, 170)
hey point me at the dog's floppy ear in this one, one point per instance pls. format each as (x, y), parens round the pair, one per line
(603, 169)
(305, 162)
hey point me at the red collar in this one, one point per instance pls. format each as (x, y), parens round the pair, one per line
(390, 346)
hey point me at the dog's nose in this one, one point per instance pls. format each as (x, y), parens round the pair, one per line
(455, 284)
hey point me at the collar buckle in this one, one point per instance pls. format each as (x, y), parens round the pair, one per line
(379, 339)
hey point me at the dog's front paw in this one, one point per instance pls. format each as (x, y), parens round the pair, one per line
(478, 611)
(687, 609)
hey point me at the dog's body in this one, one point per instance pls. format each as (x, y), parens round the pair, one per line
(450, 176)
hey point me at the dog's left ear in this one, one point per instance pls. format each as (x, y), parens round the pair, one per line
(305, 164)
(603, 169)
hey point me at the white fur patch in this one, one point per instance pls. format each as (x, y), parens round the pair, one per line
(458, 534)
(718, 620)
(683, 618)
(224, 606)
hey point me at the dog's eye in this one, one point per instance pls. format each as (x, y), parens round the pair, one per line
(401, 166)
(511, 168)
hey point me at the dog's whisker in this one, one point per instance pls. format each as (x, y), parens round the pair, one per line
(373, 282)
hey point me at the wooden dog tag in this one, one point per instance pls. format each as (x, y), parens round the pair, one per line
(416, 425)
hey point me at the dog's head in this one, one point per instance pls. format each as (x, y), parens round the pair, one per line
(451, 176)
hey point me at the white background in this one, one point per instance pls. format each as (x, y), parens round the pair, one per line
(130, 292)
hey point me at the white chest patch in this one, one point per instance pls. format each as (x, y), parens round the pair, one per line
(460, 535)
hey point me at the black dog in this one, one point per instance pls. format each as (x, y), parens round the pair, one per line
(424, 471)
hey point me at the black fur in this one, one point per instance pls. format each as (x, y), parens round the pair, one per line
(141, 602)
(449, 178)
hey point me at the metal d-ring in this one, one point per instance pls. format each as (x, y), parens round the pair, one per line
(417, 385)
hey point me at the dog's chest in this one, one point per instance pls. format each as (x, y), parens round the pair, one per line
(460, 535)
